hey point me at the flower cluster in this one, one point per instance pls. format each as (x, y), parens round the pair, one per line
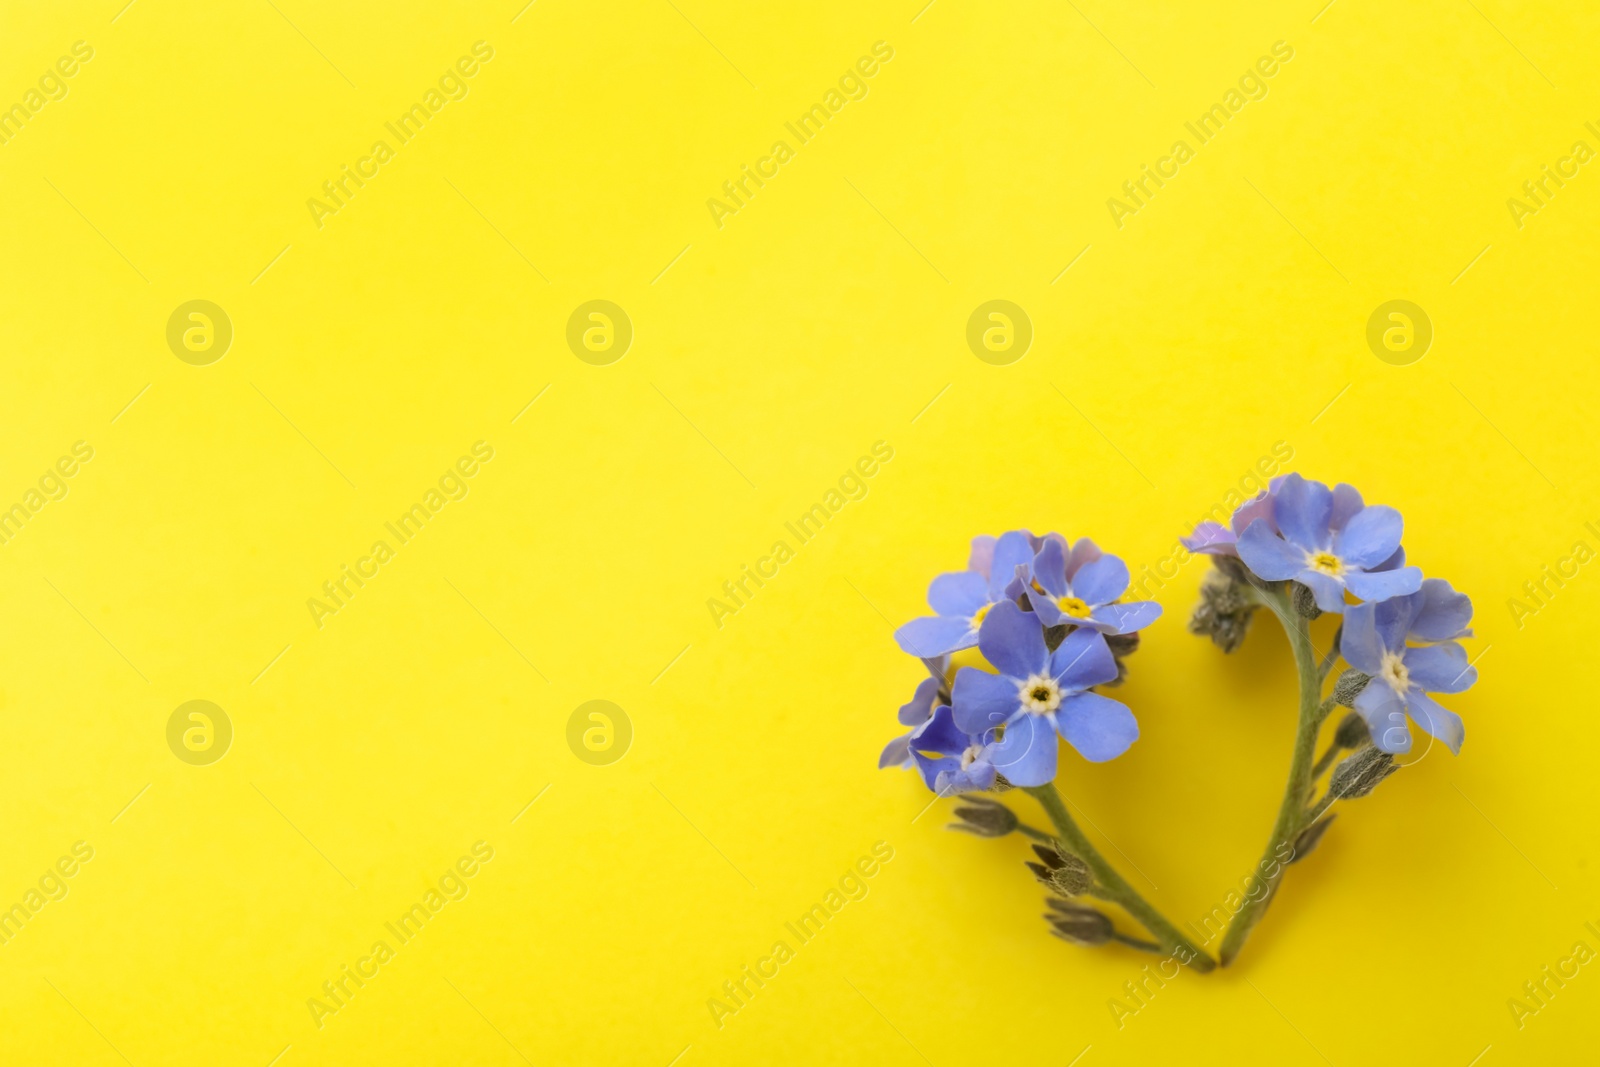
(1047, 620)
(1047, 615)
(1399, 630)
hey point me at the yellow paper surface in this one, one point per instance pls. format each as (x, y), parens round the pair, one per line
(385, 326)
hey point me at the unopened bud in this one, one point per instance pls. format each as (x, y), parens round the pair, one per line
(1232, 567)
(1305, 601)
(1352, 731)
(1061, 870)
(1224, 611)
(1358, 775)
(1345, 691)
(1078, 924)
(987, 820)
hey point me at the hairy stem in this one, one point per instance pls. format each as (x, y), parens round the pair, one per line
(1326, 759)
(1291, 812)
(1114, 887)
(1037, 835)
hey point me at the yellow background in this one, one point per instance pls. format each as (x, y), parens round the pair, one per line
(826, 315)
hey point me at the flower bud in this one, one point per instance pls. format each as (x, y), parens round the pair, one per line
(1232, 567)
(1305, 601)
(1061, 870)
(1345, 691)
(1078, 924)
(1224, 611)
(1352, 731)
(1310, 836)
(987, 820)
(1358, 775)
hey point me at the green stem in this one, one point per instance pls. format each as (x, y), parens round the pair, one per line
(1291, 812)
(1319, 807)
(1037, 835)
(1114, 887)
(1326, 759)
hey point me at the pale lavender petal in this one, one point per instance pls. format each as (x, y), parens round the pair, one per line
(1085, 551)
(919, 709)
(982, 558)
(896, 753)
(1211, 539)
(1346, 502)
(1260, 506)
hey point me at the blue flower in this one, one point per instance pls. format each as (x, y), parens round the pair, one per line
(1214, 539)
(1038, 694)
(1078, 588)
(952, 760)
(915, 712)
(963, 598)
(1374, 642)
(1329, 541)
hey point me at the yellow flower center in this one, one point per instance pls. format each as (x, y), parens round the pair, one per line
(969, 755)
(1071, 605)
(977, 616)
(1325, 563)
(1394, 672)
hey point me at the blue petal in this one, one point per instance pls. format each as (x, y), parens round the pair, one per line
(1329, 592)
(1013, 550)
(940, 735)
(1444, 613)
(1385, 714)
(1302, 510)
(935, 635)
(1440, 668)
(1268, 555)
(1082, 660)
(1098, 727)
(1126, 618)
(1441, 723)
(1046, 610)
(975, 778)
(1360, 644)
(1392, 619)
(1101, 581)
(896, 753)
(1050, 569)
(1027, 753)
(932, 768)
(958, 593)
(1258, 507)
(982, 701)
(1381, 585)
(1013, 640)
(919, 708)
(1370, 537)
